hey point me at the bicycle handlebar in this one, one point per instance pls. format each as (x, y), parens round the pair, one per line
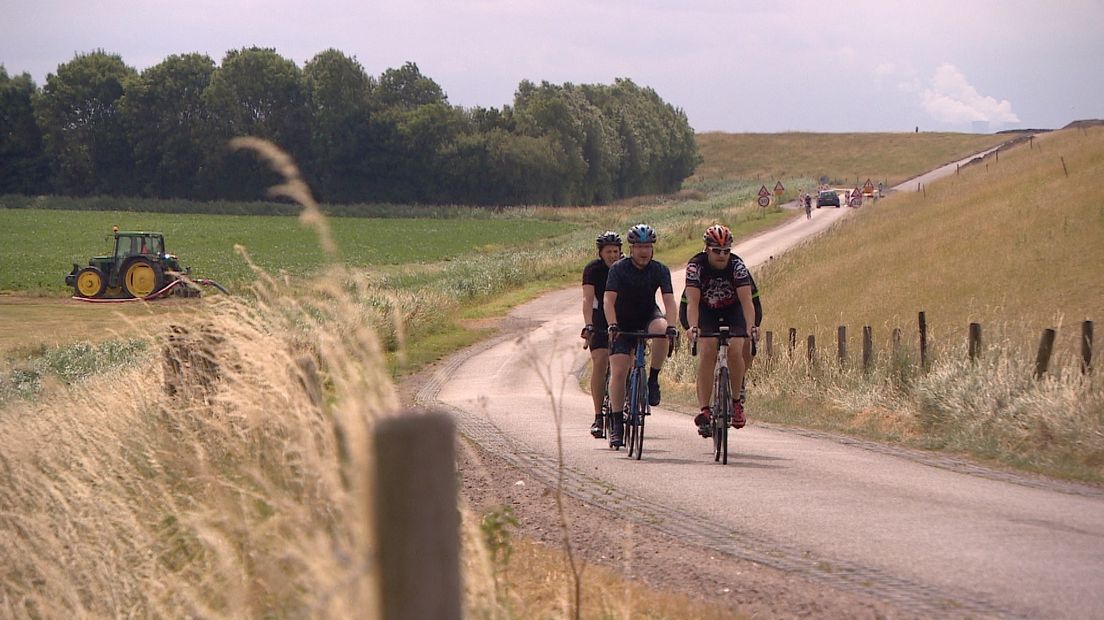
(723, 334)
(652, 335)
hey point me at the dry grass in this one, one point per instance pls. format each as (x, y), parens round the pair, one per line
(241, 494)
(843, 158)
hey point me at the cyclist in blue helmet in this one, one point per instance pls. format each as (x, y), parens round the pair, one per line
(630, 306)
(594, 319)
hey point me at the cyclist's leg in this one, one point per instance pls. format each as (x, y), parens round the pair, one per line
(736, 363)
(599, 367)
(619, 361)
(599, 372)
(749, 357)
(707, 363)
(709, 321)
(659, 345)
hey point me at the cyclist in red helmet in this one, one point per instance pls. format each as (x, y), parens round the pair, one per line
(594, 317)
(630, 306)
(718, 292)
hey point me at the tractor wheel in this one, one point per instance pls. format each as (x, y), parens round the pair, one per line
(90, 283)
(142, 277)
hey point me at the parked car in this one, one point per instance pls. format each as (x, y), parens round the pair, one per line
(828, 199)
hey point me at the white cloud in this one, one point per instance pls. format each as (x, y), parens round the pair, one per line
(952, 99)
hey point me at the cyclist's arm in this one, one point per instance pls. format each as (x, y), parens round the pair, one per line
(743, 293)
(672, 309)
(693, 298)
(609, 301)
(588, 304)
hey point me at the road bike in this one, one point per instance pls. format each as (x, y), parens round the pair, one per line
(722, 394)
(637, 392)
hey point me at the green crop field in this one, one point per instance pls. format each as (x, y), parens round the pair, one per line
(39, 246)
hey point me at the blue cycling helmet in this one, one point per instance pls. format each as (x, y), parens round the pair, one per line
(608, 238)
(642, 233)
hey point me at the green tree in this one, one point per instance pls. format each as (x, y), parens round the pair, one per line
(339, 99)
(23, 165)
(82, 127)
(169, 126)
(256, 92)
(407, 88)
(413, 128)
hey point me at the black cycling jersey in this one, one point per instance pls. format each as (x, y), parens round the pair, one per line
(718, 286)
(636, 289)
(724, 295)
(595, 274)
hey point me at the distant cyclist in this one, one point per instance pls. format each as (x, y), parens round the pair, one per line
(630, 306)
(594, 317)
(718, 293)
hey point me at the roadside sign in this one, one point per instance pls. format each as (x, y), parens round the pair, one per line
(856, 200)
(868, 187)
(778, 189)
(763, 191)
(764, 201)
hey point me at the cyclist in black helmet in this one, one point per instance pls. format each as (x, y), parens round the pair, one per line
(630, 306)
(594, 317)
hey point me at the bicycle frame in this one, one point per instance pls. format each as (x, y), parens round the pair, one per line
(637, 393)
(722, 394)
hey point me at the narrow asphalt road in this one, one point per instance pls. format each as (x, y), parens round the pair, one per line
(934, 536)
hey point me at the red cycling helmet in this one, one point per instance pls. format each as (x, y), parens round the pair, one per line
(717, 236)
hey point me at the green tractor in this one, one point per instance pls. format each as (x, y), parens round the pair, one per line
(139, 268)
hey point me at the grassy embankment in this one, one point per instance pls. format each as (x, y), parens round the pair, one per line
(121, 500)
(1014, 244)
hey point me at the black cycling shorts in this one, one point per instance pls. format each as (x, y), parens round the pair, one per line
(625, 344)
(710, 320)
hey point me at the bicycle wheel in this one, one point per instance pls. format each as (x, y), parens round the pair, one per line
(631, 398)
(640, 410)
(715, 422)
(607, 418)
(723, 411)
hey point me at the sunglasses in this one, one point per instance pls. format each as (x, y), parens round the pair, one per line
(721, 251)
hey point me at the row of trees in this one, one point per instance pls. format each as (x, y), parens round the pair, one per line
(98, 127)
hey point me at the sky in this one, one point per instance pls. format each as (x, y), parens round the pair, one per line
(730, 65)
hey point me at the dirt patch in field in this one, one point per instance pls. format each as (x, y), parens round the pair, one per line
(29, 322)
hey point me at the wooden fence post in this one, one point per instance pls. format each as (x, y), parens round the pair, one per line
(896, 340)
(841, 345)
(1086, 346)
(974, 346)
(417, 520)
(923, 341)
(868, 347)
(810, 350)
(793, 340)
(770, 345)
(1042, 360)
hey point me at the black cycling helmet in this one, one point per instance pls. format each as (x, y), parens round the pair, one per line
(642, 233)
(608, 238)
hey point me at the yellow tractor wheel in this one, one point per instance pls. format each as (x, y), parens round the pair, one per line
(142, 277)
(90, 283)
